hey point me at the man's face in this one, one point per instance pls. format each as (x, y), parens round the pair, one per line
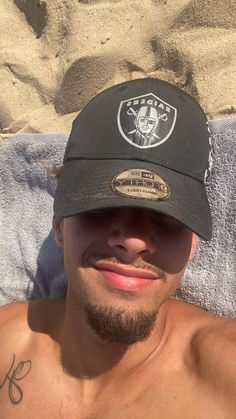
(146, 124)
(122, 265)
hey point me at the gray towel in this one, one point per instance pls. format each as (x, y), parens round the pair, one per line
(31, 265)
(210, 280)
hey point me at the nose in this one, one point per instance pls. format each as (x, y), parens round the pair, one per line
(130, 235)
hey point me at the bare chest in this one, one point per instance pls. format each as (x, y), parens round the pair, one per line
(175, 397)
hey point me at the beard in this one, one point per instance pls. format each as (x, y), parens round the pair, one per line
(118, 325)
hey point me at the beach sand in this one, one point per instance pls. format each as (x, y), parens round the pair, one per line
(57, 54)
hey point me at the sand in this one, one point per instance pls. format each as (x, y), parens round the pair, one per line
(57, 54)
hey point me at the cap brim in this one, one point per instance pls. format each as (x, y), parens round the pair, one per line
(85, 185)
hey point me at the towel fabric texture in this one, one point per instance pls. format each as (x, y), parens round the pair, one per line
(31, 264)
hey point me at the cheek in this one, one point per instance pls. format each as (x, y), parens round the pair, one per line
(79, 239)
(75, 241)
(173, 252)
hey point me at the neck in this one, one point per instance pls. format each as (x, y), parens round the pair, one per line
(85, 355)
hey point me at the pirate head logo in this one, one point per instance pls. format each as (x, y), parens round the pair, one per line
(146, 121)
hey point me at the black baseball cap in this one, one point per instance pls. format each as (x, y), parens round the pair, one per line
(144, 144)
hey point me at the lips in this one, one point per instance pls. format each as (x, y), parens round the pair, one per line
(129, 279)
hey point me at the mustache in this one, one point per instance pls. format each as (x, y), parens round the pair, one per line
(139, 263)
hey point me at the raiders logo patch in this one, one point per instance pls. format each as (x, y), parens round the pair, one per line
(146, 121)
(140, 184)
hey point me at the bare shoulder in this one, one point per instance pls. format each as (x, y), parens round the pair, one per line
(214, 349)
(22, 323)
(14, 336)
(13, 328)
(12, 317)
(210, 347)
(217, 337)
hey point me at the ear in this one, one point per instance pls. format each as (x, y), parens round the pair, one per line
(194, 244)
(57, 228)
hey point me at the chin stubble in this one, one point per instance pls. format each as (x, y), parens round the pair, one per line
(118, 325)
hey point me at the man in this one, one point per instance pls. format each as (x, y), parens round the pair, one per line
(128, 219)
(146, 121)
